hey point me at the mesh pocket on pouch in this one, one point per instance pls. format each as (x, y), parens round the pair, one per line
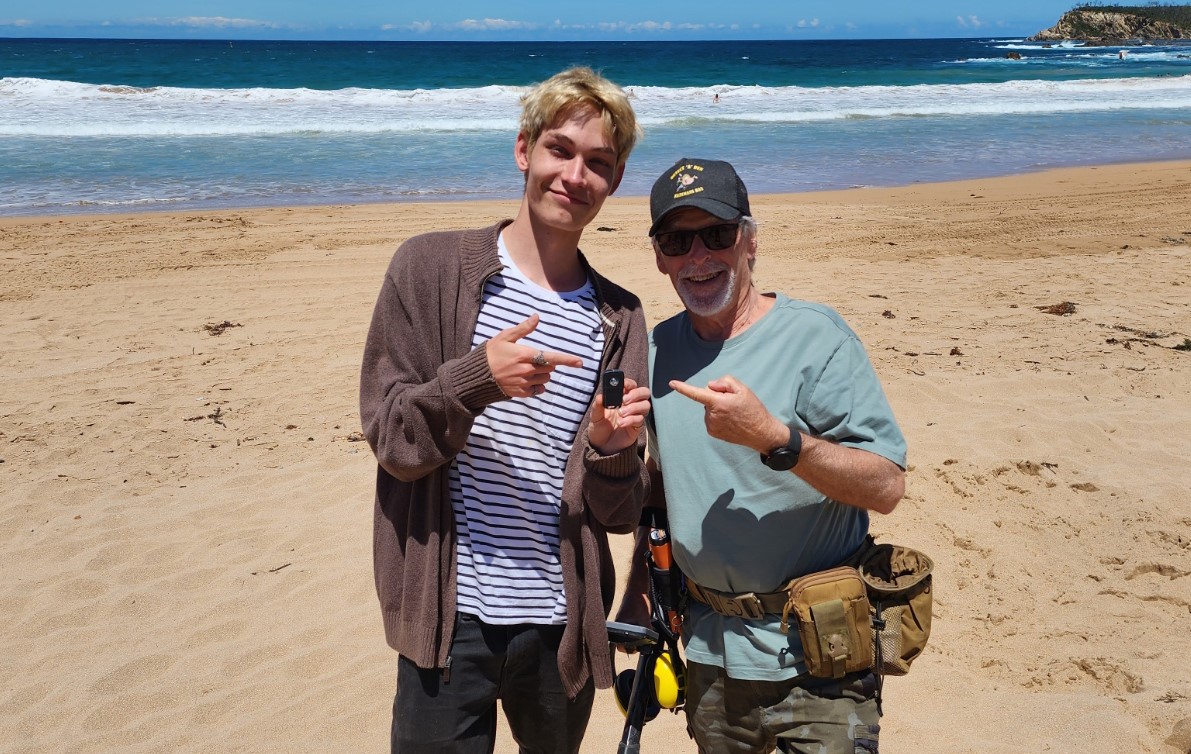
(898, 582)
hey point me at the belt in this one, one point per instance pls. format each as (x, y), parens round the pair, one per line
(754, 606)
(748, 605)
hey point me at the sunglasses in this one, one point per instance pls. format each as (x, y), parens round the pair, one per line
(714, 238)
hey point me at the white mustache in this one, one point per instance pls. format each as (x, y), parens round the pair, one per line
(708, 268)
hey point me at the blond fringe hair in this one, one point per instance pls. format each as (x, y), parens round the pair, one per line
(575, 89)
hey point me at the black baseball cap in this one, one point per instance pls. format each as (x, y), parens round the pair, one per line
(710, 185)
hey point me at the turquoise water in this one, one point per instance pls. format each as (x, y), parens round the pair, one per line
(114, 125)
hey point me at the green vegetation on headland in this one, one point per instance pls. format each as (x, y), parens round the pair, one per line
(1179, 15)
(1109, 24)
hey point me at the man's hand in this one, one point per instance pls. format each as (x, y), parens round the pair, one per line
(849, 475)
(634, 610)
(523, 371)
(614, 429)
(734, 414)
(634, 603)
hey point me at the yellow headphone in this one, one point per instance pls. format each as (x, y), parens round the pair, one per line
(667, 691)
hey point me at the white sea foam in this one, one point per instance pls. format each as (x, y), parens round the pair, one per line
(36, 107)
(1021, 44)
(794, 104)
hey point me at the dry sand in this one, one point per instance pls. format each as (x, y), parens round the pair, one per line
(185, 506)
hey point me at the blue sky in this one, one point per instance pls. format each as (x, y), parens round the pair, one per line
(526, 19)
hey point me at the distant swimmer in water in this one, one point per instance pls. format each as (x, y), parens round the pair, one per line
(716, 98)
(1121, 55)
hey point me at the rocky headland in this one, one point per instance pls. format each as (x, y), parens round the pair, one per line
(1118, 24)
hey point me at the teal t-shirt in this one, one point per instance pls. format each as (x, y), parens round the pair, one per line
(735, 524)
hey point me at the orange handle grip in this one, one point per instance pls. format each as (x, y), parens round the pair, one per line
(659, 549)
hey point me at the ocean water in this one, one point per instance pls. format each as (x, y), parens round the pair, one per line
(119, 125)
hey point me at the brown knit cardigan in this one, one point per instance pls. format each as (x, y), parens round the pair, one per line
(421, 387)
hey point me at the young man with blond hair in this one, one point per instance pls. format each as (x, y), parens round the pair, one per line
(500, 471)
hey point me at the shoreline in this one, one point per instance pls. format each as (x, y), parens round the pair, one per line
(423, 201)
(187, 504)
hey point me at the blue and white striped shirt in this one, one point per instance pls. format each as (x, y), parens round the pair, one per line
(506, 484)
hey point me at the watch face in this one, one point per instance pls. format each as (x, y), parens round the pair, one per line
(781, 459)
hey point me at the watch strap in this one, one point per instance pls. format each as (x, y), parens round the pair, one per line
(785, 457)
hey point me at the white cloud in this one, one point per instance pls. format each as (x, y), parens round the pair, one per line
(972, 21)
(15, 22)
(209, 22)
(418, 27)
(605, 27)
(649, 26)
(803, 23)
(492, 24)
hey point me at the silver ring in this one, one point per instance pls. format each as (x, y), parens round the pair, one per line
(539, 360)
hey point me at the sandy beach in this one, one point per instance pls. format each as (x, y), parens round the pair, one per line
(186, 501)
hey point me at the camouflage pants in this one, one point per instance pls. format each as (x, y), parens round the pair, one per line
(804, 715)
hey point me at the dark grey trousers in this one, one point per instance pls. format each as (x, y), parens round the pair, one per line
(516, 666)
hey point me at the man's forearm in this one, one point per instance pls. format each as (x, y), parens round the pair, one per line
(850, 475)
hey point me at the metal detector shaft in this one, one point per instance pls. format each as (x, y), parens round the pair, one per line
(649, 642)
(645, 642)
(630, 739)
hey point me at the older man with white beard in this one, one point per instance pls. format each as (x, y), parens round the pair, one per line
(771, 440)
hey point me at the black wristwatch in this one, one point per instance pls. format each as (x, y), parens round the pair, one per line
(784, 457)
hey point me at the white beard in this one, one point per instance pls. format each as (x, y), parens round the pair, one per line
(712, 302)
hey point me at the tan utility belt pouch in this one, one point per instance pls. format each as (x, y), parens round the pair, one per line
(884, 592)
(898, 582)
(834, 623)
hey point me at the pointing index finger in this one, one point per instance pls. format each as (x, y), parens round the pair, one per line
(557, 358)
(706, 397)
